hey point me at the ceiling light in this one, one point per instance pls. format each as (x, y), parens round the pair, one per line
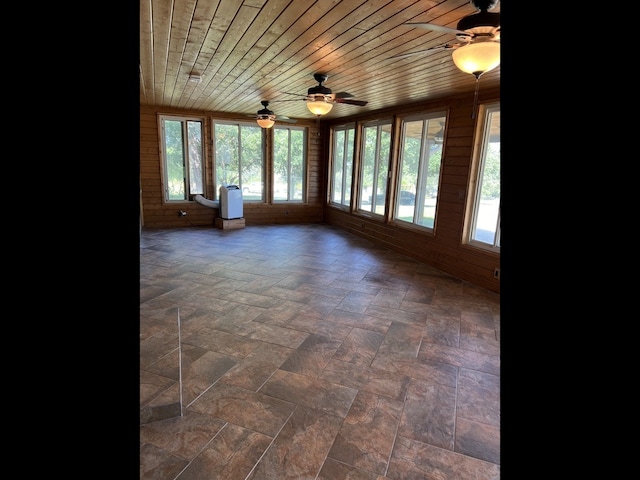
(195, 77)
(477, 58)
(265, 117)
(266, 121)
(318, 105)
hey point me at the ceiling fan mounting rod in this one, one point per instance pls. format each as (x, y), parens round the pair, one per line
(265, 112)
(484, 5)
(480, 19)
(320, 77)
(319, 89)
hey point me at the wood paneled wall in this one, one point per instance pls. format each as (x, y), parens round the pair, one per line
(443, 250)
(157, 214)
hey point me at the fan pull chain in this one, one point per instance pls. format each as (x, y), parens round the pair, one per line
(475, 98)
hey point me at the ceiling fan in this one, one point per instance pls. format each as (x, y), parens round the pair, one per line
(320, 99)
(479, 33)
(266, 118)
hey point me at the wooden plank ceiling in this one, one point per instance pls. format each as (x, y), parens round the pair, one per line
(253, 50)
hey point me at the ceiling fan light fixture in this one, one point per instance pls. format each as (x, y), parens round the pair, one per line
(477, 58)
(318, 105)
(265, 117)
(266, 121)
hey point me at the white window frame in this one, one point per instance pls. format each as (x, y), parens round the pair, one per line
(291, 194)
(190, 162)
(368, 201)
(347, 151)
(241, 182)
(433, 122)
(475, 204)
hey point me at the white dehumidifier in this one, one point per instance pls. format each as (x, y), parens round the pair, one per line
(230, 202)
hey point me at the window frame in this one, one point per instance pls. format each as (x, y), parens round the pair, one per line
(186, 159)
(347, 176)
(377, 167)
(440, 120)
(291, 190)
(476, 178)
(241, 182)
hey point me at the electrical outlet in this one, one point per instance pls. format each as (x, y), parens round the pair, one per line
(496, 273)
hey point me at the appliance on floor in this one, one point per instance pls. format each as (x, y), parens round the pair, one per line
(230, 201)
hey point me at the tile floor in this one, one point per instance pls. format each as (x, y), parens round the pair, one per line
(305, 352)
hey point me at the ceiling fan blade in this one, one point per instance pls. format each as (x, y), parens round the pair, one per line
(322, 91)
(437, 28)
(301, 97)
(360, 103)
(446, 46)
(280, 118)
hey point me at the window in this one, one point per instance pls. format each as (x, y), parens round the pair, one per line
(376, 152)
(342, 164)
(182, 157)
(238, 158)
(484, 221)
(289, 158)
(419, 174)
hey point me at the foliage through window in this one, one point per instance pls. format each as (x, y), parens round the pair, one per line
(289, 159)
(182, 157)
(484, 222)
(376, 152)
(238, 158)
(342, 164)
(419, 172)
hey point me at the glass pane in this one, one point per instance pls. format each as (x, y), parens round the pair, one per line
(487, 224)
(174, 157)
(297, 165)
(410, 154)
(338, 165)
(384, 153)
(368, 177)
(251, 161)
(342, 165)
(421, 157)
(288, 164)
(280, 163)
(348, 167)
(376, 142)
(196, 168)
(430, 175)
(226, 155)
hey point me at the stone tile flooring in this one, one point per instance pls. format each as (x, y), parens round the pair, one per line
(305, 352)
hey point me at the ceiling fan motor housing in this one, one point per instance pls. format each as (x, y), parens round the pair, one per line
(265, 112)
(480, 19)
(319, 89)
